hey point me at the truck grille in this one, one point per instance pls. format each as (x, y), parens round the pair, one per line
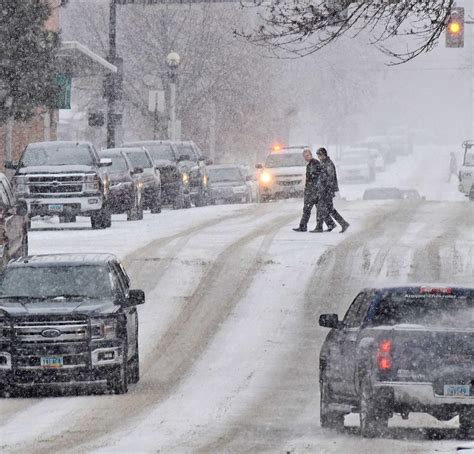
(55, 189)
(66, 338)
(59, 179)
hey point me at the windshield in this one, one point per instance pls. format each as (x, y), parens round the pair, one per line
(139, 159)
(158, 151)
(225, 174)
(285, 160)
(119, 164)
(57, 155)
(469, 159)
(186, 150)
(435, 310)
(55, 281)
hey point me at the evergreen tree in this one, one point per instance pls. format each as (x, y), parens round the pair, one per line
(27, 59)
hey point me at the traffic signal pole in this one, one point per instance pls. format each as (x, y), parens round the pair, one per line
(112, 92)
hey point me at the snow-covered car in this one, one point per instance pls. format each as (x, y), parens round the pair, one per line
(228, 184)
(400, 350)
(466, 172)
(283, 175)
(356, 166)
(68, 320)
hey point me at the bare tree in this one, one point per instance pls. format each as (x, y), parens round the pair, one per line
(302, 27)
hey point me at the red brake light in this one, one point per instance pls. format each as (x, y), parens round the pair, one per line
(384, 355)
(436, 291)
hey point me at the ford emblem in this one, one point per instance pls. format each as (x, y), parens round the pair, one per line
(51, 333)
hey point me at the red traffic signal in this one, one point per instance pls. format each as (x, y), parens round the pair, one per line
(455, 28)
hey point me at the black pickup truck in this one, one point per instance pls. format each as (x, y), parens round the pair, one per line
(400, 350)
(68, 320)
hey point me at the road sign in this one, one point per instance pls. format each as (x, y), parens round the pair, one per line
(64, 83)
(156, 101)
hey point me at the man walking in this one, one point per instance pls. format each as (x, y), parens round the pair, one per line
(313, 169)
(327, 188)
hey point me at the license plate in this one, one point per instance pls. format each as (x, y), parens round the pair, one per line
(52, 362)
(56, 207)
(457, 390)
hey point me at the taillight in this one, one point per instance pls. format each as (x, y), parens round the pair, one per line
(384, 355)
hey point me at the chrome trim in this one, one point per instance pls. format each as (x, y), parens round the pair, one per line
(118, 357)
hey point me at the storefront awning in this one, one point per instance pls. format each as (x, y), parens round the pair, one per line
(79, 61)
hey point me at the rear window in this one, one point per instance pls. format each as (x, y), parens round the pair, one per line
(432, 310)
(139, 159)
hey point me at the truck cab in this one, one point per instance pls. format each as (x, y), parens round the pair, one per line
(466, 172)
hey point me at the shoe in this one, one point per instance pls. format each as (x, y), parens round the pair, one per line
(345, 227)
(299, 229)
(330, 228)
(317, 230)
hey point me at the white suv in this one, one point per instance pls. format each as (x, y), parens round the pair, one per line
(283, 175)
(466, 173)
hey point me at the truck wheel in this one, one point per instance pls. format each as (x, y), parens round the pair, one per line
(101, 219)
(136, 212)
(178, 202)
(156, 203)
(134, 367)
(329, 419)
(24, 245)
(466, 423)
(187, 201)
(119, 383)
(373, 419)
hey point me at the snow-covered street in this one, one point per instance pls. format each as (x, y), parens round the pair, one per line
(229, 336)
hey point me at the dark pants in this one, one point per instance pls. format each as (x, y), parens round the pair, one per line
(328, 214)
(309, 202)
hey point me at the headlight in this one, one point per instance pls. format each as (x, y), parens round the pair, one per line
(205, 180)
(265, 177)
(104, 328)
(185, 178)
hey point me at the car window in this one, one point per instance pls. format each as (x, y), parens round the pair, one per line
(357, 311)
(285, 160)
(140, 159)
(57, 154)
(119, 164)
(469, 159)
(184, 149)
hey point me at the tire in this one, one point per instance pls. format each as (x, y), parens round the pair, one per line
(134, 367)
(178, 202)
(136, 212)
(155, 207)
(373, 418)
(118, 384)
(466, 423)
(329, 419)
(187, 201)
(101, 219)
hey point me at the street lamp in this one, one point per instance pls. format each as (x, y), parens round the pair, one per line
(173, 60)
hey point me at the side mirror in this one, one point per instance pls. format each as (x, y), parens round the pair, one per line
(137, 170)
(184, 157)
(21, 208)
(105, 162)
(10, 165)
(259, 166)
(136, 297)
(329, 321)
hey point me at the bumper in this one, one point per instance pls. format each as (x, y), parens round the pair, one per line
(282, 189)
(420, 396)
(65, 205)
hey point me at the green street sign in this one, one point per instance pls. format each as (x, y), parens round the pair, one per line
(64, 83)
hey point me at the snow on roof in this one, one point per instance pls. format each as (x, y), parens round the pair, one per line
(52, 259)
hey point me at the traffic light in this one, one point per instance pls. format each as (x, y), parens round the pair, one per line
(455, 28)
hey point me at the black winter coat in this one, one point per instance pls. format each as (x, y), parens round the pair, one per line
(328, 184)
(313, 171)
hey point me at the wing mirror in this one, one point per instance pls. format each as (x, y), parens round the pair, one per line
(329, 321)
(136, 297)
(10, 165)
(184, 157)
(137, 170)
(105, 162)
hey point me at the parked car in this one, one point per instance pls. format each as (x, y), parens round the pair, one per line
(13, 224)
(64, 179)
(229, 184)
(466, 172)
(252, 183)
(149, 177)
(68, 320)
(175, 178)
(356, 165)
(126, 185)
(195, 164)
(399, 350)
(383, 194)
(283, 174)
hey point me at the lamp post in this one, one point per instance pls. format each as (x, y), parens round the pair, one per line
(173, 60)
